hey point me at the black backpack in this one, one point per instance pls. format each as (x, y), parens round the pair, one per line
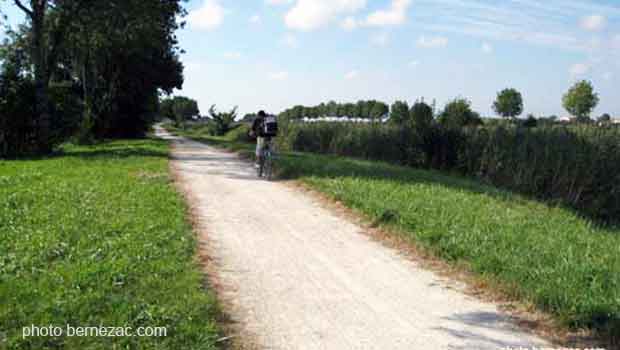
(270, 126)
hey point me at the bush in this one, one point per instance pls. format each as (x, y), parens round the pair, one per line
(221, 123)
(241, 133)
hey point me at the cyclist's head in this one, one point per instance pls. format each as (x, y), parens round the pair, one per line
(262, 114)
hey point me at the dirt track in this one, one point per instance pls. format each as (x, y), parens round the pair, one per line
(297, 276)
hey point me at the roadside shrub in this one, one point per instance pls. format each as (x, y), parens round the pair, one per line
(241, 133)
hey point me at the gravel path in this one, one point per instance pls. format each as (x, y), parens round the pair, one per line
(296, 276)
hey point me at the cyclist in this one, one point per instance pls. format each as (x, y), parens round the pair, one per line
(263, 132)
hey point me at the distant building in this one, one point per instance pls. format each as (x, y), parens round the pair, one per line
(564, 119)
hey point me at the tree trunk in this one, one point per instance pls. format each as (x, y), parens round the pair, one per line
(41, 76)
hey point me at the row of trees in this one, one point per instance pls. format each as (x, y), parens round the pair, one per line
(371, 109)
(579, 101)
(105, 61)
(179, 109)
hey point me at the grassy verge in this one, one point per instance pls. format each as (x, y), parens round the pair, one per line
(548, 256)
(98, 236)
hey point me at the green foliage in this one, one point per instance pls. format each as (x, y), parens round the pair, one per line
(458, 113)
(379, 110)
(166, 110)
(184, 108)
(18, 127)
(179, 109)
(241, 133)
(399, 113)
(509, 103)
(530, 122)
(221, 122)
(580, 100)
(371, 109)
(108, 67)
(421, 115)
(98, 236)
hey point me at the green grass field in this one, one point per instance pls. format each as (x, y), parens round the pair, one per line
(98, 236)
(545, 255)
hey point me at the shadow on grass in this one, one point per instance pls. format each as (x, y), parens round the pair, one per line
(119, 149)
(147, 147)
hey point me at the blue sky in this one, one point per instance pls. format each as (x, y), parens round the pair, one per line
(272, 54)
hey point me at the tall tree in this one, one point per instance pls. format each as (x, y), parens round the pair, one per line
(509, 103)
(45, 42)
(458, 113)
(580, 100)
(179, 109)
(421, 115)
(399, 112)
(378, 109)
(124, 52)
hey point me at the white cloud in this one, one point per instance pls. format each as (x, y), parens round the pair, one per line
(351, 75)
(349, 23)
(281, 75)
(394, 15)
(432, 42)
(593, 23)
(579, 69)
(278, 2)
(379, 39)
(540, 23)
(232, 55)
(290, 40)
(207, 17)
(308, 15)
(414, 64)
(255, 19)
(487, 48)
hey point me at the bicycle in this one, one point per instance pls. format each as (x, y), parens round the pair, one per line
(265, 163)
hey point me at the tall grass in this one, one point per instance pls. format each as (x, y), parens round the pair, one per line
(574, 166)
